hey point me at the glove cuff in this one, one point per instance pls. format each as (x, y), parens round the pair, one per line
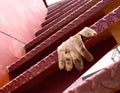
(87, 32)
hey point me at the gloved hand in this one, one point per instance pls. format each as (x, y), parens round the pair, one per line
(72, 50)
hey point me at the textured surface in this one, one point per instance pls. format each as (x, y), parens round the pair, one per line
(66, 11)
(39, 51)
(58, 23)
(57, 5)
(18, 21)
(44, 65)
(60, 8)
(42, 69)
(107, 80)
(107, 86)
(52, 58)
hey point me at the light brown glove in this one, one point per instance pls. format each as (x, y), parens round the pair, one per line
(72, 50)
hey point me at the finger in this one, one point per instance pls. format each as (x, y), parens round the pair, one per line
(68, 61)
(76, 57)
(77, 60)
(61, 54)
(86, 54)
(80, 47)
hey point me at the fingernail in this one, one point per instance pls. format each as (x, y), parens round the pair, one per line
(90, 58)
(78, 65)
(69, 66)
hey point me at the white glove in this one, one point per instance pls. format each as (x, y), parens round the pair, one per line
(72, 50)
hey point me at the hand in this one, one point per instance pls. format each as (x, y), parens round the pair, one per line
(70, 52)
